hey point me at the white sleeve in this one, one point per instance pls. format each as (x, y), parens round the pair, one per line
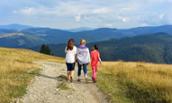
(89, 59)
(65, 49)
(75, 50)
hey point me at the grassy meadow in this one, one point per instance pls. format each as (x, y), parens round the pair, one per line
(122, 82)
(16, 67)
(129, 82)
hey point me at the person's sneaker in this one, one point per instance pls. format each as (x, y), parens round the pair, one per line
(94, 81)
(79, 80)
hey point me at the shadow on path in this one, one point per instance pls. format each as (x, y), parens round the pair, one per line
(61, 78)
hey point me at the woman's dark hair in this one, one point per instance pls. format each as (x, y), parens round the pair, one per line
(96, 47)
(70, 44)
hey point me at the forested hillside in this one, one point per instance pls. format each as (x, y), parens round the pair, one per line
(149, 48)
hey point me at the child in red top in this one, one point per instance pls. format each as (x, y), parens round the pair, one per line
(95, 59)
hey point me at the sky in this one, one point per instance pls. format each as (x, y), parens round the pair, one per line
(68, 14)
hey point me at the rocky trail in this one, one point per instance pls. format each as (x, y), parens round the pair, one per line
(50, 86)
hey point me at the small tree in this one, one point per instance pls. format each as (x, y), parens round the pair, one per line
(45, 49)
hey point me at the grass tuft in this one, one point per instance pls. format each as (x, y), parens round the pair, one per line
(63, 86)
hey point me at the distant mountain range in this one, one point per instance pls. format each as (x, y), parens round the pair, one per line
(154, 48)
(80, 29)
(17, 27)
(151, 43)
(57, 36)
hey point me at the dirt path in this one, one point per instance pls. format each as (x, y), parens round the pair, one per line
(50, 86)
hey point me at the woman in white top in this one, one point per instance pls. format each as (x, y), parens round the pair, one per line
(70, 51)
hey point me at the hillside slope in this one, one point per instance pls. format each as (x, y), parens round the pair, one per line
(15, 68)
(154, 48)
(122, 82)
(149, 48)
(19, 66)
(136, 82)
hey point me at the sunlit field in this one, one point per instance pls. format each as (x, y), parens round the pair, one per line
(127, 82)
(122, 82)
(16, 71)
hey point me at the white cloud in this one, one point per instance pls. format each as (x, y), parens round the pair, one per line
(117, 13)
(123, 19)
(28, 11)
(161, 16)
(102, 10)
(78, 18)
(109, 25)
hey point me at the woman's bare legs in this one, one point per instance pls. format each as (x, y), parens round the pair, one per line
(68, 75)
(71, 75)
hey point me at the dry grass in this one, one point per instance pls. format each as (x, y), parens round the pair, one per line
(16, 67)
(128, 82)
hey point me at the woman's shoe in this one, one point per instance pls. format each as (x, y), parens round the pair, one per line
(79, 80)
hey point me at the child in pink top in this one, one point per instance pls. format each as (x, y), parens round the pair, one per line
(95, 59)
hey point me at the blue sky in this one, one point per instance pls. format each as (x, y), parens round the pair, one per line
(67, 14)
